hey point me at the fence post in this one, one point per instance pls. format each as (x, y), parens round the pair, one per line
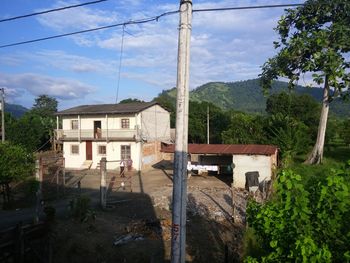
(38, 177)
(64, 175)
(103, 188)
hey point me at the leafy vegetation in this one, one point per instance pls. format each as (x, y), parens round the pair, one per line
(313, 38)
(34, 130)
(16, 164)
(306, 220)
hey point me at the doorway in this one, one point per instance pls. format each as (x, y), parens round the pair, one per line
(89, 150)
(97, 130)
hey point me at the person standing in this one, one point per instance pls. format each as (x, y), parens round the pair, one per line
(122, 168)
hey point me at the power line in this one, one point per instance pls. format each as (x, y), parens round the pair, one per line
(244, 7)
(131, 22)
(146, 20)
(49, 11)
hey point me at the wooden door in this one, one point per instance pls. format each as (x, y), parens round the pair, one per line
(88, 150)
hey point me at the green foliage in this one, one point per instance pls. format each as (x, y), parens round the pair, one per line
(35, 127)
(299, 107)
(130, 101)
(314, 39)
(167, 99)
(291, 136)
(345, 131)
(28, 131)
(45, 106)
(81, 209)
(304, 222)
(244, 129)
(15, 163)
(197, 123)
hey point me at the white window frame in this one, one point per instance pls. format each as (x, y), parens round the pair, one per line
(98, 149)
(123, 154)
(127, 120)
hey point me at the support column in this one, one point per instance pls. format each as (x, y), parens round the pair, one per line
(178, 238)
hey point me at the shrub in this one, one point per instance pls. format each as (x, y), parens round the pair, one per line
(304, 224)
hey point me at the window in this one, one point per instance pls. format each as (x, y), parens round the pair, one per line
(125, 123)
(125, 152)
(102, 149)
(74, 125)
(74, 149)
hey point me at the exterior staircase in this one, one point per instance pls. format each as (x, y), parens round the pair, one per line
(86, 165)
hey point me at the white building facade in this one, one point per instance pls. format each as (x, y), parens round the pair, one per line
(114, 131)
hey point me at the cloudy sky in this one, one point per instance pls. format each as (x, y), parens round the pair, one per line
(84, 68)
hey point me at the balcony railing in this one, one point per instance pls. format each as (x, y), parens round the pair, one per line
(102, 135)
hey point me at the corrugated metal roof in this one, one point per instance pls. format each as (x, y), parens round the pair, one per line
(123, 108)
(226, 149)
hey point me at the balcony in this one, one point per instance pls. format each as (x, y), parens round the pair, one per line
(103, 135)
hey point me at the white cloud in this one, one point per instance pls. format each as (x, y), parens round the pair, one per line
(36, 84)
(76, 18)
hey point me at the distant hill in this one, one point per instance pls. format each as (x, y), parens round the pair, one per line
(16, 110)
(247, 96)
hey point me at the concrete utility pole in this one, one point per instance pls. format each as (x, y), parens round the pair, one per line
(208, 124)
(178, 238)
(2, 114)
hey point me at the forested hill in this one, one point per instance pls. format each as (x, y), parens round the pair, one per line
(247, 96)
(15, 110)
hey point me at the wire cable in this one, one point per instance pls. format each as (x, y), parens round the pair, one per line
(244, 7)
(51, 10)
(131, 22)
(147, 20)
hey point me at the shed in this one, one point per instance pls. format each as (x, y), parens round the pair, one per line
(244, 158)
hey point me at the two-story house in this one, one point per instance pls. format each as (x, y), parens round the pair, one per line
(115, 131)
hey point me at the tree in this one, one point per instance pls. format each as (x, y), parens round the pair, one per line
(345, 132)
(303, 107)
(314, 38)
(244, 129)
(130, 101)
(45, 106)
(28, 131)
(15, 164)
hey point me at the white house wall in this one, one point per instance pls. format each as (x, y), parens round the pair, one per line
(74, 161)
(113, 154)
(251, 163)
(155, 124)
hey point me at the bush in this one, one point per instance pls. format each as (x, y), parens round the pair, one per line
(304, 224)
(80, 209)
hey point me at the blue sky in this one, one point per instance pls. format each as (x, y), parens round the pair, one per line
(83, 69)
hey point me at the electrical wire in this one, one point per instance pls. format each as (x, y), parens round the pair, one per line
(243, 8)
(131, 22)
(49, 11)
(147, 20)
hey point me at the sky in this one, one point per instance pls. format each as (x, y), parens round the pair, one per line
(84, 69)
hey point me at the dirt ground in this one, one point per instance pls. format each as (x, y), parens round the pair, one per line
(136, 226)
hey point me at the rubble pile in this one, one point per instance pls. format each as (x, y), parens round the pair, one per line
(213, 203)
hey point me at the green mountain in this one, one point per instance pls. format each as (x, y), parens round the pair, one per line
(248, 96)
(16, 110)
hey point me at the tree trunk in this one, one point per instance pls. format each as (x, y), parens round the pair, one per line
(316, 155)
